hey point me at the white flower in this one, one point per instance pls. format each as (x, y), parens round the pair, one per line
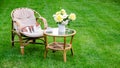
(65, 16)
(65, 22)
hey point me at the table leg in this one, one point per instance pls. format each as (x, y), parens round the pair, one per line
(72, 51)
(64, 55)
(71, 45)
(64, 51)
(54, 39)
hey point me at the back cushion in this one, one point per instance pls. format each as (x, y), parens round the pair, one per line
(25, 17)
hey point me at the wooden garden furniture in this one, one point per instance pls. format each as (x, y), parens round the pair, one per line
(26, 25)
(59, 46)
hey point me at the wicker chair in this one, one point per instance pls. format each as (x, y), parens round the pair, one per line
(26, 27)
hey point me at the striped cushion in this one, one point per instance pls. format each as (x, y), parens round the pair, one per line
(32, 31)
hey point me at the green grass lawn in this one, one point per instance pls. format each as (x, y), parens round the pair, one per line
(96, 43)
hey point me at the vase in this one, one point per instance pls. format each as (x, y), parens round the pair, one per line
(61, 29)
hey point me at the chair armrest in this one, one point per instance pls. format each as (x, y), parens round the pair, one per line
(14, 31)
(44, 21)
(16, 25)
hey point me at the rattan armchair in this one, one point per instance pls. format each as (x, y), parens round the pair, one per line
(26, 25)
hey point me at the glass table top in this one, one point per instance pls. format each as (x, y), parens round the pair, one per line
(55, 32)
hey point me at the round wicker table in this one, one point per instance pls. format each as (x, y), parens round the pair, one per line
(55, 46)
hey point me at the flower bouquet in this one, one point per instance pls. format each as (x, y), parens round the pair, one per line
(61, 17)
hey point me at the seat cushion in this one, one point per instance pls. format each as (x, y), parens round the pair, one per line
(32, 31)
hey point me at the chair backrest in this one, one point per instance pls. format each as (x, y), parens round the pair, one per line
(24, 16)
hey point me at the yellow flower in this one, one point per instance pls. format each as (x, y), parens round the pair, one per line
(63, 11)
(72, 16)
(59, 18)
(57, 13)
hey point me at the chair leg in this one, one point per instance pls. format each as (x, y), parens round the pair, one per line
(34, 40)
(22, 50)
(21, 45)
(13, 39)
